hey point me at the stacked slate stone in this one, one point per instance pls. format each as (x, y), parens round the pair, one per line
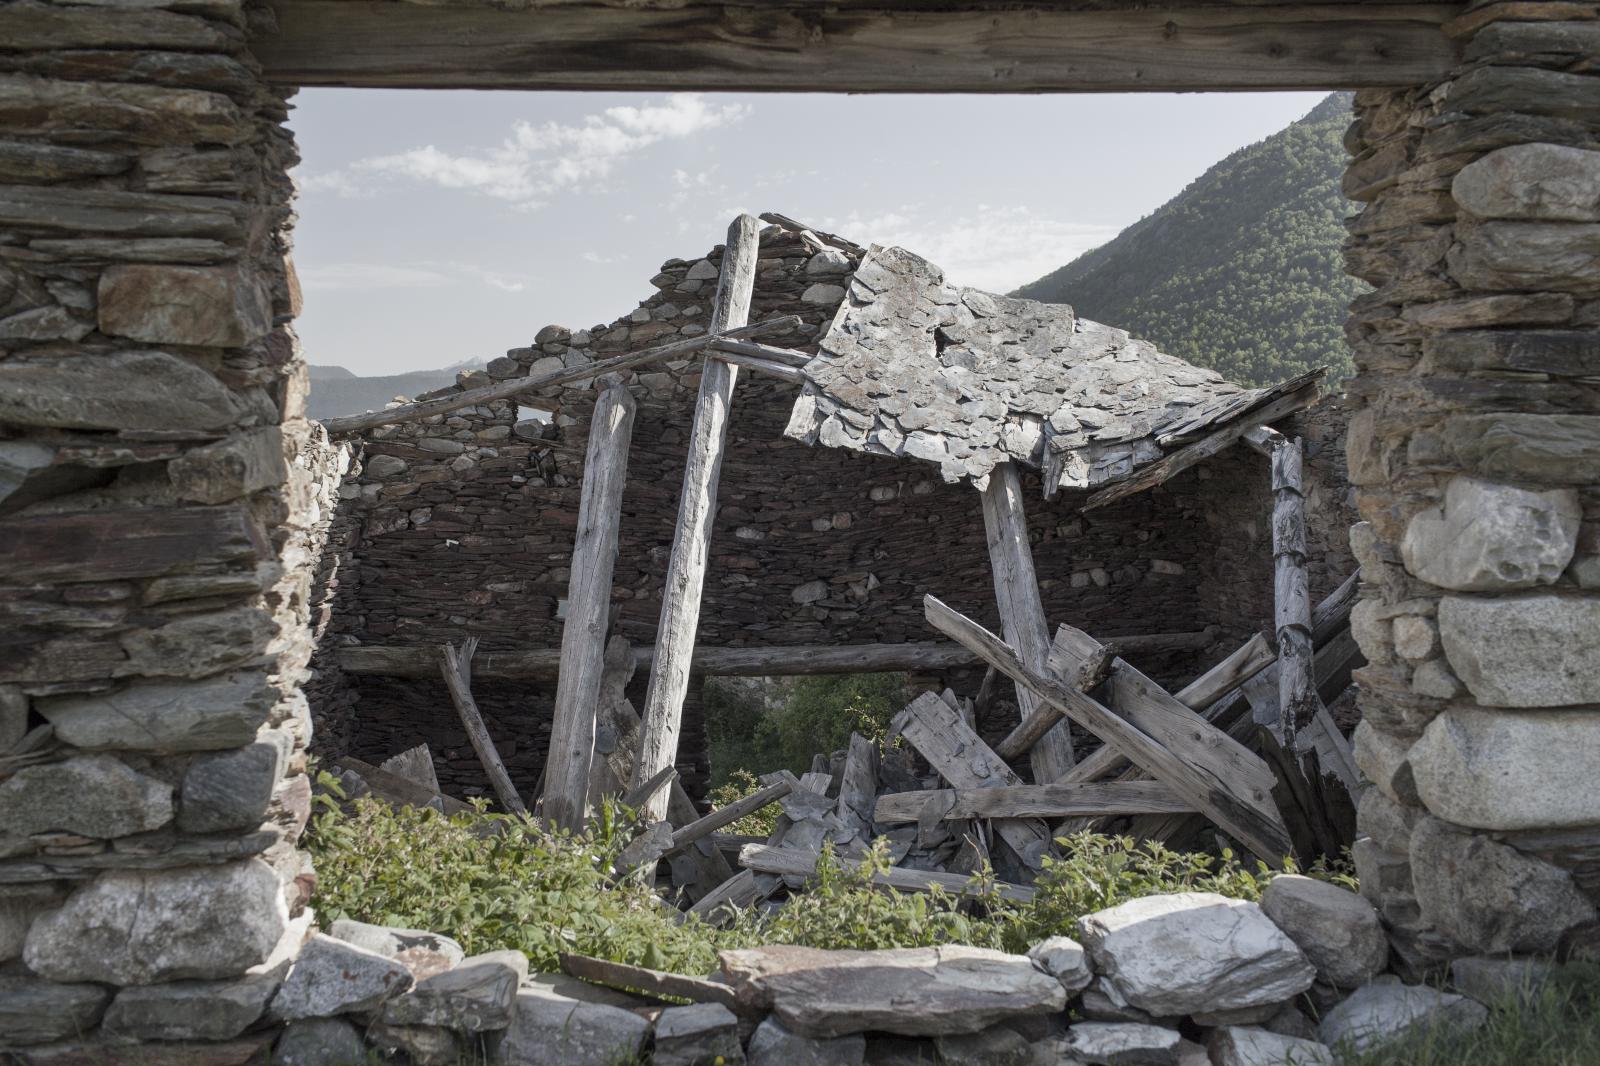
(1187, 979)
(461, 525)
(160, 500)
(1475, 451)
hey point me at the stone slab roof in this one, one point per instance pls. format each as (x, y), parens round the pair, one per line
(913, 365)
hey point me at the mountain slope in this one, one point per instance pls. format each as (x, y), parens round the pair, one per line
(1240, 272)
(336, 391)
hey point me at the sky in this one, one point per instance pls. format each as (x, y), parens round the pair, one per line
(442, 226)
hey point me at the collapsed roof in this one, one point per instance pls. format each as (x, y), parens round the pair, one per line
(915, 366)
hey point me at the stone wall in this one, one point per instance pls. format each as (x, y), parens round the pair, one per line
(1475, 447)
(160, 496)
(462, 524)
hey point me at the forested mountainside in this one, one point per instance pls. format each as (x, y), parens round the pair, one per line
(1242, 270)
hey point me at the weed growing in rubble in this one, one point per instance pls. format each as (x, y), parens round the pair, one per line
(741, 783)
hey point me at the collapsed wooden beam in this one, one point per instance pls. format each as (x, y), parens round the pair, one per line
(728, 814)
(697, 507)
(583, 634)
(1033, 801)
(1228, 805)
(503, 390)
(456, 666)
(1016, 591)
(793, 862)
(789, 660)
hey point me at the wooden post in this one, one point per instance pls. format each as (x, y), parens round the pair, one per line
(1297, 687)
(456, 665)
(691, 541)
(1016, 589)
(583, 636)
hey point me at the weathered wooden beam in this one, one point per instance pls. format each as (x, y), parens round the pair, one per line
(1033, 801)
(636, 797)
(583, 634)
(1022, 618)
(727, 815)
(697, 507)
(858, 786)
(1302, 392)
(771, 353)
(791, 660)
(456, 666)
(796, 863)
(984, 46)
(1219, 800)
(502, 390)
(761, 365)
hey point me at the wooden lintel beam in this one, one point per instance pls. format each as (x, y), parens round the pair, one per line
(985, 46)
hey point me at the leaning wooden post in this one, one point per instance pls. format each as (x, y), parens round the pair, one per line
(583, 636)
(1297, 685)
(456, 665)
(1016, 589)
(697, 507)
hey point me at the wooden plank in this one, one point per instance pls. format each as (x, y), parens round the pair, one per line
(793, 862)
(1044, 717)
(772, 354)
(691, 540)
(1022, 618)
(960, 756)
(740, 892)
(1261, 832)
(984, 46)
(502, 390)
(770, 367)
(858, 787)
(583, 634)
(1033, 801)
(788, 660)
(456, 666)
(1305, 391)
(657, 983)
(662, 780)
(1297, 690)
(727, 815)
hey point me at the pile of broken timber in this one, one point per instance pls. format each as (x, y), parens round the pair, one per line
(1170, 763)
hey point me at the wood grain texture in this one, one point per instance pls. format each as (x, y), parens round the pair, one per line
(1016, 591)
(456, 666)
(1033, 801)
(697, 507)
(583, 634)
(886, 46)
(729, 814)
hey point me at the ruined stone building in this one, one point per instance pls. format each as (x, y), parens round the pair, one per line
(828, 532)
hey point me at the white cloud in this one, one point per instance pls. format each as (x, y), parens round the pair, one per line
(537, 161)
(986, 247)
(351, 277)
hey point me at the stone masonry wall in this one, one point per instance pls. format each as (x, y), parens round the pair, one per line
(160, 499)
(462, 524)
(1475, 449)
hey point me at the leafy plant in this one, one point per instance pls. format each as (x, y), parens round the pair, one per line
(816, 714)
(741, 783)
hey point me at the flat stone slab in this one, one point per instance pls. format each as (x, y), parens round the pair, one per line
(774, 1045)
(1529, 650)
(552, 1030)
(1194, 952)
(475, 997)
(418, 950)
(190, 1010)
(1240, 1046)
(333, 977)
(1386, 1010)
(1122, 1044)
(909, 991)
(700, 1034)
(36, 1011)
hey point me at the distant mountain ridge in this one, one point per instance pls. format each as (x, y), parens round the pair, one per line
(336, 390)
(1242, 271)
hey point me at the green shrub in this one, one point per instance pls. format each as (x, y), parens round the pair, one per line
(817, 715)
(741, 783)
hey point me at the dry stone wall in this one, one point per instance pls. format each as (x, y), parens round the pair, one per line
(160, 496)
(462, 524)
(1475, 449)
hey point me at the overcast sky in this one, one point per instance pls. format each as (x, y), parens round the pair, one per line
(441, 226)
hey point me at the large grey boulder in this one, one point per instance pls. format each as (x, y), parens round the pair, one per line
(1497, 979)
(34, 1011)
(551, 1030)
(1239, 1046)
(218, 712)
(1489, 895)
(1531, 650)
(332, 977)
(1193, 952)
(1486, 536)
(1533, 181)
(231, 789)
(1122, 1044)
(774, 1045)
(991, 1047)
(424, 1045)
(1339, 931)
(1507, 771)
(477, 996)
(90, 795)
(1533, 256)
(421, 952)
(1386, 1010)
(700, 1034)
(829, 261)
(1064, 959)
(190, 1010)
(957, 989)
(320, 1042)
(142, 927)
(1383, 759)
